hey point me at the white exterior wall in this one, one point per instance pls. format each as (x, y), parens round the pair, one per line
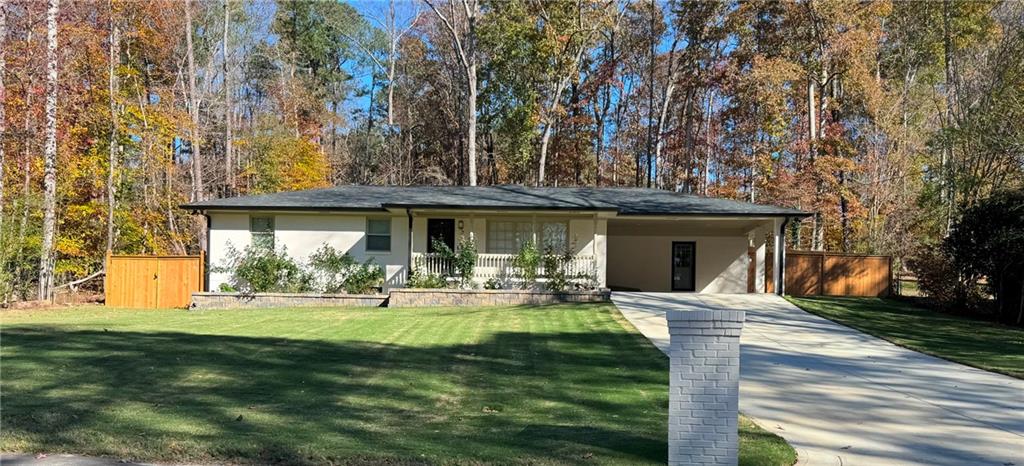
(225, 229)
(644, 262)
(302, 234)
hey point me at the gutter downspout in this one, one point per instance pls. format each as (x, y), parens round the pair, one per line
(780, 287)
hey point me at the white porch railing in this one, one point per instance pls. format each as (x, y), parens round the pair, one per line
(497, 265)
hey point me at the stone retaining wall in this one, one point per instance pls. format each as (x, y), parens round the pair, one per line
(220, 300)
(416, 297)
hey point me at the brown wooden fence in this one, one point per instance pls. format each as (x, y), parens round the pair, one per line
(152, 281)
(818, 273)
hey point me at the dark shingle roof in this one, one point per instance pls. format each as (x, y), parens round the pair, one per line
(625, 201)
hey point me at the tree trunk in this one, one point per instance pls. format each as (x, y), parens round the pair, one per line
(471, 127)
(229, 161)
(198, 190)
(3, 108)
(947, 190)
(115, 58)
(705, 179)
(46, 257)
(546, 136)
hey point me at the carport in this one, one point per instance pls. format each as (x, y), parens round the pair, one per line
(702, 254)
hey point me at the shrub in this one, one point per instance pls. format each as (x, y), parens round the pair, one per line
(936, 276)
(364, 278)
(492, 284)
(558, 276)
(554, 269)
(420, 278)
(334, 272)
(526, 263)
(463, 261)
(258, 270)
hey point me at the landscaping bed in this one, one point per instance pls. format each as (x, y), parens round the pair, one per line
(978, 343)
(562, 384)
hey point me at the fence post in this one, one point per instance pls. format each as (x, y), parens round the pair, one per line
(704, 349)
(821, 274)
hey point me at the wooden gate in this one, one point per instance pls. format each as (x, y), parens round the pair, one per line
(152, 281)
(819, 273)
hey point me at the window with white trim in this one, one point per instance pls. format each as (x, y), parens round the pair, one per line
(378, 235)
(509, 236)
(261, 230)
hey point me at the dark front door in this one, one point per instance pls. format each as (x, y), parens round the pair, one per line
(441, 229)
(684, 255)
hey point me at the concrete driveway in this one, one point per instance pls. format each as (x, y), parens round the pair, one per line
(842, 397)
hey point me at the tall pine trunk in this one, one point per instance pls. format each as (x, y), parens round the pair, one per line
(46, 256)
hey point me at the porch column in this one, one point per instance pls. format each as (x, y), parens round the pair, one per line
(703, 411)
(758, 242)
(780, 245)
(601, 251)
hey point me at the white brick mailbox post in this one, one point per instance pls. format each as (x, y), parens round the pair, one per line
(704, 388)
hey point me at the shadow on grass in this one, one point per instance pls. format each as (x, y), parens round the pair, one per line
(517, 397)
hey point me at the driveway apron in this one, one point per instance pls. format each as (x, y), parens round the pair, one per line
(842, 397)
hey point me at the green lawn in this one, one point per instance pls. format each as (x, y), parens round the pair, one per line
(550, 385)
(985, 345)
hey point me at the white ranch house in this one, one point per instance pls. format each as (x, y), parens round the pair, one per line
(628, 238)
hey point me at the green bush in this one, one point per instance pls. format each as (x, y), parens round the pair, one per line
(421, 279)
(554, 269)
(527, 263)
(334, 272)
(259, 270)
(492, 284)
(463, 261)
(557, 274)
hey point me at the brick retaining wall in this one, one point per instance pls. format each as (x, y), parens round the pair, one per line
(219, 300)
(416, 297)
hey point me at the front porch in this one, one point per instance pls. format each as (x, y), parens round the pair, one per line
(578, 238)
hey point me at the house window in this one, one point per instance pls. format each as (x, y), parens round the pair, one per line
(378, 235)
(508, 237)
(554, 236)
(262, 231)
